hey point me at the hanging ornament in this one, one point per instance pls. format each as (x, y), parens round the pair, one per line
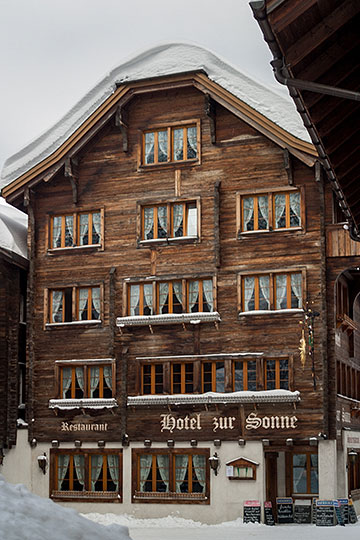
(302, 348)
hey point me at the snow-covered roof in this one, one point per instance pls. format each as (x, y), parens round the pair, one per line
(13, 229)
(163, 60)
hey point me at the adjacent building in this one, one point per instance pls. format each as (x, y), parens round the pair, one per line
(193, 299)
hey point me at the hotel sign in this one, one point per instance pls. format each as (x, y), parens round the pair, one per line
(171, 423)
(253, 421)
(82, 426)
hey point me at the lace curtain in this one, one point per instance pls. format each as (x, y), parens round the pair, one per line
(191, 143)
(66, 381)
(162, 146)
(200, 469)
(178, 144)
(149, 147)
(113, 466)
(56, 240)
(83, 304)
(94, 379)
(148, 223)
(178, 228)
(79, 463)
(181, 468)
(281, 299)
(163, 468)
(145, 466)
(95, 303)
(280, 219)
(249, 285)
(162, 221)
(296, 289)
(193, 294)
(84, 229)
(134, 299)
(295, 214)
(177, 290)
(263, 212)
(69, 239)
(248, 213)
(163, 296)
(96, 225)
(108, 376)
(96, 468)
(208, 293)
(265, 290)
(62, 468)
(79, 372)
(57, 306)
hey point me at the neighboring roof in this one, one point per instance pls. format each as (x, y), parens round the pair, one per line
(318, 43)
(13, 230)
(161, 61)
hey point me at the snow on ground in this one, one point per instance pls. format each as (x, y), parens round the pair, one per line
(177, 528)
(24, 516)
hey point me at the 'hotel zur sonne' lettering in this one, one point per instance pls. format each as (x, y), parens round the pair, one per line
(253, 421)
(168, 422)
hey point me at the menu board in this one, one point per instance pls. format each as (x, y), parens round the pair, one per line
(325, 516)
(314, 509)
(338, 513)
(285, 510)
(344, 505)
(302, 511)
(269, 518)
(252, 512)
(352, 513)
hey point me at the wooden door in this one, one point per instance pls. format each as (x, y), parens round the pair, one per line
(271, 478)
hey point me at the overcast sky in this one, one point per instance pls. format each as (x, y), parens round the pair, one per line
(54, 51)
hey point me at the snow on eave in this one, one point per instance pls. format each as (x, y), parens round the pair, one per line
(162, 60)
(244, 458)
(13, 230)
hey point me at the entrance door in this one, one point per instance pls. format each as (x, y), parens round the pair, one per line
(271, 478)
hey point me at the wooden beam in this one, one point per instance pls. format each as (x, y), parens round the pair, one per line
(282, 16)
(288, 166)
(71, 174)
(210, 111)
(122, 123)
(322, 31)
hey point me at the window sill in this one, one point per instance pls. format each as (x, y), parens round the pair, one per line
(169, 318)
(244, 234)
(91, 496)
(169, 241)
(168, 164)
(72, 249)
(85, 403)
(156, 497)
(92, 322)
(294, 311)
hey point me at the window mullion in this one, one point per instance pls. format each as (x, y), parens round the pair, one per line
(288, 291)
(104, 472)
(245, 374)
(277, 373)
(73, 382)
(155, 213)
(256, 213)
(90, 228)
(71, 473)
(169, 156)
(170, 296)
(200, 281)
(101, 381)
(287, 211)
(156, 147)
(63, 222)
(190, 475)
(152, 378)
(184, 143)
(257, 302)
(153, 475)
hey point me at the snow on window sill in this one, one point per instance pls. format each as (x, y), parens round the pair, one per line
(270, 311)
(94, 322)
(85, 403)
(166, 241)
(52, 251)
(168, 318)
(261, 396)
(267, 231)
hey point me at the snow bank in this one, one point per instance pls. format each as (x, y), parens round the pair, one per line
(13, 229)
(24, 516)
(165, 59)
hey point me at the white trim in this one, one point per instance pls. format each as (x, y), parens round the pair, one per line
(143, 320)
(86, 403)
(86, 361)
(213, 355)
(74, 323)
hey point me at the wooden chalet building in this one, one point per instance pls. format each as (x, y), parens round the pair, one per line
(181, 351)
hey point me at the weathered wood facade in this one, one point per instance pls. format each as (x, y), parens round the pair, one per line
(177, 342)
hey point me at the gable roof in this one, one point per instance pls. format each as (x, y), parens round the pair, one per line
(13, 230)
(161, 61)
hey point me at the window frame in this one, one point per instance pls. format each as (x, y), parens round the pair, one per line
(170, 128)
(270, 193)
(172, 497)
(155, 296)
(169, 203)
(272, 292)
(258, 370)
(86, 365)
(153, 374)
(76, 231)
(183, 375)
(278, 380)
(86, 495)
(290, 463)
(48, 294)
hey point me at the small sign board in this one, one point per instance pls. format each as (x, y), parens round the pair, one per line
(252, 511)
(285, 509)
(314, 509)
(325, 515)
(338, 513)
(352, 512)
(302, 511)
(344, 505)
(269, 518)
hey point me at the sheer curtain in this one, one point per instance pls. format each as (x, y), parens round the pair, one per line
(280, 220)
(178, 144)
(191, 143)
(83, 300)
(295, 214)
(281, 281)
(113, 466)
(265, 290)
(84, 229)
(162, 221)
(62, 468)
(193, 294)
(94, 379)
(96, 233)
(248, 213)
(163, 468)
(177, 288)
(263, 212)
(79, 372)
(57, 306)
(134, 299)
(108, 376)
(249, 285)
(178, 226)
(163, 295)
(56, 241)
(95, 303)
(148, 223)
(69, 239)
(79, 462)
(66, 381)
(148, 295)
(208, 293)
(200, 469)
(149, 147)
(96, 468)
(162, 146)
(296, 288)
(145, 466)
(181, 468)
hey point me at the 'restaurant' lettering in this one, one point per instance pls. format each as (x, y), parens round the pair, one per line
(253, 421)
(67, 426)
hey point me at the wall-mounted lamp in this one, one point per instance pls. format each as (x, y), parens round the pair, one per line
(55, 443)
(171, 443)
(217, 442)
(101, 444)
(125, 440)
(147, 443)
(42, 462)
(193, 442)
(322, 436)
(214, 463)
(242, 442)
(352, 456)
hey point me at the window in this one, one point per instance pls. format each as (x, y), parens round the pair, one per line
(305, 473)
(244, 375)
(276, 374)
(74, 304)
(171, 144)
(182, 378)
(152, 379)
(267, 292)
(163, 474)
(162, 297)
(169, 220)
(270, 211)
(86, 381)
(76, 230)
(354, 470)
(213, 377)
(86, 474)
